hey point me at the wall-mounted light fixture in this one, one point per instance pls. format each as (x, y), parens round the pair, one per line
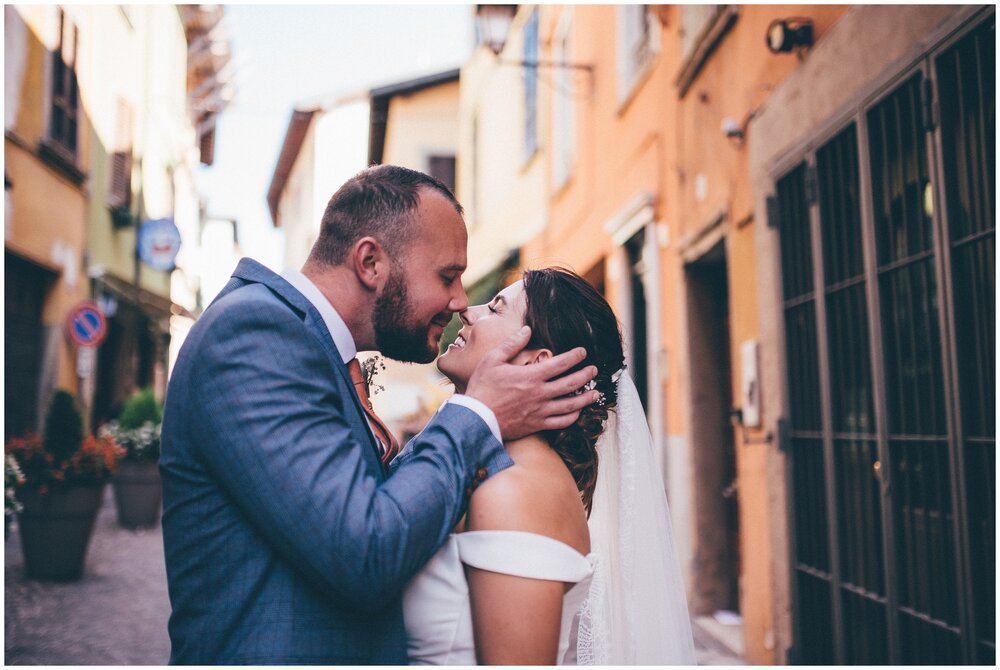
(785, 35)
(492, 27)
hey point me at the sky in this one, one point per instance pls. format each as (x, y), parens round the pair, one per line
(287, 55)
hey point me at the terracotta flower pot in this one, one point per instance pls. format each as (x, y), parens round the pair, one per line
(137, 494)
(55, 530)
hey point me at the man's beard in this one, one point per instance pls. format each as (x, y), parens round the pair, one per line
(395, 337)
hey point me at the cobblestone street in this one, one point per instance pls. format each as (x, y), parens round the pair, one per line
(117, 614)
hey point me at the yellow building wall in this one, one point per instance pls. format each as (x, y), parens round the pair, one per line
(136, 53)
(504, 192)
(112, 248)
(152, 79)
(47, 211)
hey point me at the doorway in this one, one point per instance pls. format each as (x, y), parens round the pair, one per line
(716, 558)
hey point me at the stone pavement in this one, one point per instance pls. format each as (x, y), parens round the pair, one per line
(117, 613)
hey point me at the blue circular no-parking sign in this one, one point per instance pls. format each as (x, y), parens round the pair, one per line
(86, 325)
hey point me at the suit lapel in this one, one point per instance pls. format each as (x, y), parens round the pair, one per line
(250, 270)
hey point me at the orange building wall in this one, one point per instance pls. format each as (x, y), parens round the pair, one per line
(660, 143)
(734, 83)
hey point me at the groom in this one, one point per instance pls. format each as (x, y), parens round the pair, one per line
(286, 539)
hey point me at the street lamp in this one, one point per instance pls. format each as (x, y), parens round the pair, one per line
(492, 27)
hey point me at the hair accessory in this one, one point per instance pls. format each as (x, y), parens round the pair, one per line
(589, 386)
(618, 375)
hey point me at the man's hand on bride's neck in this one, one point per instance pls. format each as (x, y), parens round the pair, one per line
(527, 399)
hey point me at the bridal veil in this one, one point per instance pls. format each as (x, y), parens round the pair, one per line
(636, 612)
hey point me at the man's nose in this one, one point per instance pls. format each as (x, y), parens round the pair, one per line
(460, 301)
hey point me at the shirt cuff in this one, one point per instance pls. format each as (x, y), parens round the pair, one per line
(484, 412)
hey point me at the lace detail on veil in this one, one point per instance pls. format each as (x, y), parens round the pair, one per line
(589, 647)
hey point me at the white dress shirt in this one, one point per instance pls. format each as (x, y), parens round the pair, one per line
(348, 349)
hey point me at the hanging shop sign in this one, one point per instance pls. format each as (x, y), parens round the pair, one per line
(86, 325)
(159, 242)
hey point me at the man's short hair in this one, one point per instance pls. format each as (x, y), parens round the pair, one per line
(378, 202)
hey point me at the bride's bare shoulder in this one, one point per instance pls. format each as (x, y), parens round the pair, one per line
(536, 495)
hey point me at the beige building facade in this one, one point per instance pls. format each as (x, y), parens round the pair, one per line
(101, 135)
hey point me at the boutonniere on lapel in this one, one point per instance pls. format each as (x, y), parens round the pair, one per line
(369, 368)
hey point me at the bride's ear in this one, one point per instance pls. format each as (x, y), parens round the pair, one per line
(538, 355)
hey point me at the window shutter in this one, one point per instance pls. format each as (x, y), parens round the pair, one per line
(65, 98)
(120, 183)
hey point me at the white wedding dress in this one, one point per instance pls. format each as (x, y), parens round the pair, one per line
(436, 604)
(627, 605)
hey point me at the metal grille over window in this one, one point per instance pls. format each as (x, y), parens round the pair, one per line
(967, 95)
(812, 569)
(857, 468)
(911, 345)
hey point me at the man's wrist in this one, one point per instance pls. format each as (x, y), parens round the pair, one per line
(484, 412)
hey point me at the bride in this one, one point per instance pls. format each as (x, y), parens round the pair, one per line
(567, 556)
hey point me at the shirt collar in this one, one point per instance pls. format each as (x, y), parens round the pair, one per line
(334, 323)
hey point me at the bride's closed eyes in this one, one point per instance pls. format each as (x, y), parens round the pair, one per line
(497, 303)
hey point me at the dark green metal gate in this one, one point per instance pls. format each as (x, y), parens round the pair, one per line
(887, 235)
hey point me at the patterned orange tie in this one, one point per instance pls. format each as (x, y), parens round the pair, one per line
(389, 443)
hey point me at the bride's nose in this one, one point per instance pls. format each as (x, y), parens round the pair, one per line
(469, 315)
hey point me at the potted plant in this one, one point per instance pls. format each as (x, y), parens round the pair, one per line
(138, 491)
(63, 477)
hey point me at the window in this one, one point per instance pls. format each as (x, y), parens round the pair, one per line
(638, 43)
(530, 50)
(65, 98)
(443, 168)
(120, 181)
(563, 111)
(695, 20)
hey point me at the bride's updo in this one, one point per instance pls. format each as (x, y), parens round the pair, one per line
(565, 312)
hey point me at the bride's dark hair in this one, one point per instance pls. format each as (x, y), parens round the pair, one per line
(565, 312)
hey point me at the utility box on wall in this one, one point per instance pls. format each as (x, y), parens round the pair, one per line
(749, 384)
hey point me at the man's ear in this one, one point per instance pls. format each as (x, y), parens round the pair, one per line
(368, 260)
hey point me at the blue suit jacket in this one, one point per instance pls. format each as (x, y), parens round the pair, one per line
(285, 539)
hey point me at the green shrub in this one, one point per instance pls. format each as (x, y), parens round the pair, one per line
(141, 408)
(137, 429)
